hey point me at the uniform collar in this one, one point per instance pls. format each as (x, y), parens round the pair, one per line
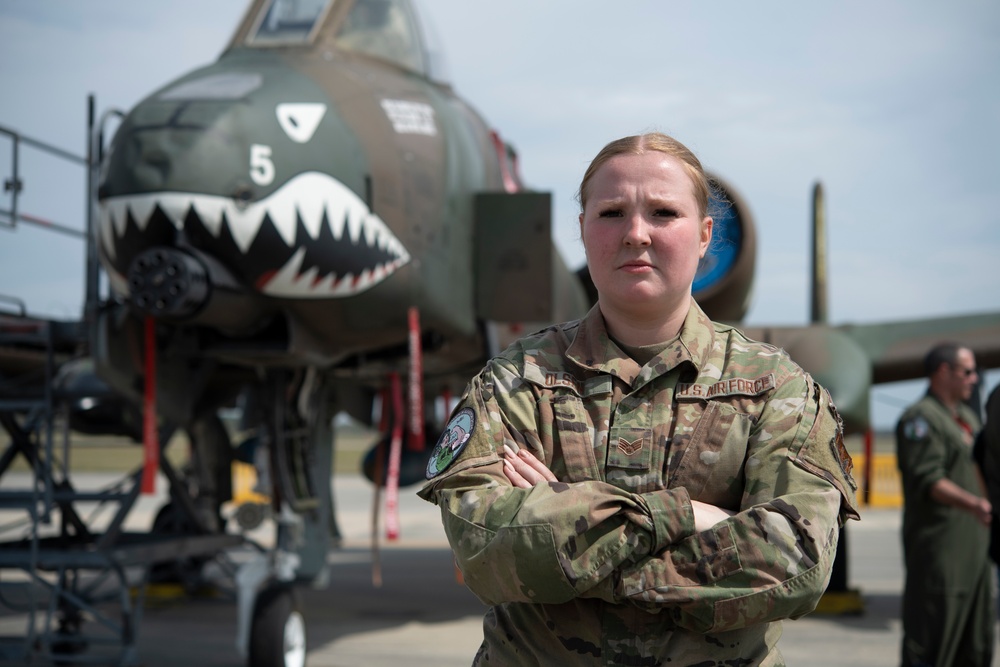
(961, 410)
(593, 349)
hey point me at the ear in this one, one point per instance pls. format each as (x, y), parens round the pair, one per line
(941, 371)
(581, 225)
(706, 235)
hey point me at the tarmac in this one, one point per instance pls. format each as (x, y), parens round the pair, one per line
(421, 616)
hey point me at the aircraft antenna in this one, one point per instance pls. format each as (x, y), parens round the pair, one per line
(818, 314)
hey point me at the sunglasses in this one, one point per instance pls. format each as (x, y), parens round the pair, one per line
(964, 372)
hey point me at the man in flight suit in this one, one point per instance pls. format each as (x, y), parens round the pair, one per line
(948, 613)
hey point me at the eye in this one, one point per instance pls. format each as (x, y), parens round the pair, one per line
(610, 213)
(665, 213)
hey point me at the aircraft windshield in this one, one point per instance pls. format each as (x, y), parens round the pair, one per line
(384, 29)
(289, 21)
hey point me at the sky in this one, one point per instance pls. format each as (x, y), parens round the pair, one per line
(894, 106)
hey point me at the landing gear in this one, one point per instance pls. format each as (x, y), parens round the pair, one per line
(297, 433)
(172, 522)
(278, 633)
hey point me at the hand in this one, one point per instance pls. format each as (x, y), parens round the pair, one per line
(523, 469)
(983, 511)
(706, 516)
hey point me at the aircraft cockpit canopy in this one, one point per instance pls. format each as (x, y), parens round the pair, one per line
(385, 29)
(288, 22)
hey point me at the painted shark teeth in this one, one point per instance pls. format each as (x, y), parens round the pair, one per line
(313, 198)
(291, 281)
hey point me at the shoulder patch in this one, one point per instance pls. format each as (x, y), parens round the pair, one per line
(451, 443)
(916, 428)
(840, 450)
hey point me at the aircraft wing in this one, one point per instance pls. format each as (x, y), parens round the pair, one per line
(897, 349)
(849, 359)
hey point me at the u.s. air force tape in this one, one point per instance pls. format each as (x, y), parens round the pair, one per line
(451, 443)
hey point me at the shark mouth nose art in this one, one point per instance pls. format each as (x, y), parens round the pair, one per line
(312, 239)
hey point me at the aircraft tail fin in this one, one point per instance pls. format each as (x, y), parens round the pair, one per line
(818, 304)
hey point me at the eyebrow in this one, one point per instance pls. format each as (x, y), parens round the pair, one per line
(654, 203)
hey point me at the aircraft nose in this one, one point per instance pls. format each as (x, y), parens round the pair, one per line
(154, 162)
(250, 163)
(172, 145)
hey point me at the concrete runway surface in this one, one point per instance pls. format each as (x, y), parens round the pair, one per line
(421, 616)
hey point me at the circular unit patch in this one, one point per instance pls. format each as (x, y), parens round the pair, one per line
(916, 428)
(451, 443)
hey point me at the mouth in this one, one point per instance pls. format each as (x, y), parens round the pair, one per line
(635, 266)
(314, 238)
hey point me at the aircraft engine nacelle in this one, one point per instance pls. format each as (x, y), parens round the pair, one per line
(723, 284)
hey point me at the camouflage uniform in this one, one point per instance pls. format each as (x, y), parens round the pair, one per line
(604, 567)
(948, 614)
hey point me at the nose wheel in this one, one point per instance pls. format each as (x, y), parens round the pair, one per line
(278, 632)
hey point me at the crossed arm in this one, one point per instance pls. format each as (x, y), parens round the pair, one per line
(524, 471)
(656, 550)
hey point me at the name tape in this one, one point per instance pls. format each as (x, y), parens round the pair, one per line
(731, 387)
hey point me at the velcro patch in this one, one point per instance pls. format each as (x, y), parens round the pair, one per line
(629, 448)
(549, 378)
(840, 450)
(730, 387)
(452, 441)
(916, 428)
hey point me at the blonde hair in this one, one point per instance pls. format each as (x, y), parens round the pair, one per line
(644, 143)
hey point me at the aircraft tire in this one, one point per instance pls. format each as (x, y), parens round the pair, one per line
(278, 629)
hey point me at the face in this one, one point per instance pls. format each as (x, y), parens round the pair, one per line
(962, 376)
(643, 233)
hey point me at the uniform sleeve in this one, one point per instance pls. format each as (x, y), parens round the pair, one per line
(555, 541)
(773, 558)
(920, 455)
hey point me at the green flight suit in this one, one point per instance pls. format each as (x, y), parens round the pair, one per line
(604, 567)
(948, 613)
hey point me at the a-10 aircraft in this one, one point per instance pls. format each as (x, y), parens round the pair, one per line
(315, 224)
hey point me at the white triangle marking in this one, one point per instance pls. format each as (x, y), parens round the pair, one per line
(300, 120)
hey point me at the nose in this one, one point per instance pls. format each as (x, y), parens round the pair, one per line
(636, 231)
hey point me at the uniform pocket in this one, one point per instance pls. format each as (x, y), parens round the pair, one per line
(630, 448)
(574, 438)
(707, 458)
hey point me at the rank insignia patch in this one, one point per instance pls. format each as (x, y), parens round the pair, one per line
(629, 448)
(451, 443)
